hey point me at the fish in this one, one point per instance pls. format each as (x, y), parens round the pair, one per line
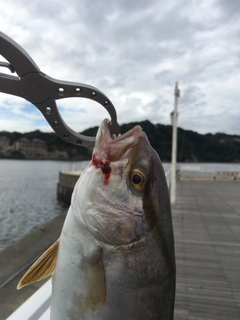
(115, 256)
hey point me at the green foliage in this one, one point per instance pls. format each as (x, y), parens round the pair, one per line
(17, 155)
(192, 146)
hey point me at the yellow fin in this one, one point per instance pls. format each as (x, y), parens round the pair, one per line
(42, 268)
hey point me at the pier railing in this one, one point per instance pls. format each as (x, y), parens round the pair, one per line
(211, 170)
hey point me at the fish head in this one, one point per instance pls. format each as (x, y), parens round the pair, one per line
(122, 196)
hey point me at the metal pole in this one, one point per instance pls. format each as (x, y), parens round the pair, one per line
(174, 146)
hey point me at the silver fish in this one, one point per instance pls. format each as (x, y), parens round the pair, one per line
(115, 256)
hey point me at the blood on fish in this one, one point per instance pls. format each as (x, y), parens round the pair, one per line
(104, 166)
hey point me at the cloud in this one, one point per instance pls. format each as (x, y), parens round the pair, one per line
(230, 9)
(134, 51)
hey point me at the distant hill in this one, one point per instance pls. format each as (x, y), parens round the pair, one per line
(192, 146)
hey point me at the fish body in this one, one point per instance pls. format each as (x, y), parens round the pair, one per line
(115, 257)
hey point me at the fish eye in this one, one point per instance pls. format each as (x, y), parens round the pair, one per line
(138, 179)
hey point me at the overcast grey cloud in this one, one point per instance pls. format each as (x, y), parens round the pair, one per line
(133, 51)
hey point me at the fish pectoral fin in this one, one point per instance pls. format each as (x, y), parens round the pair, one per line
(42, 268)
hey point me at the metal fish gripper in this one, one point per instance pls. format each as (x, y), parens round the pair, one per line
(41, 90)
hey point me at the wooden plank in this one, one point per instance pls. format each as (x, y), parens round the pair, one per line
(206, 221)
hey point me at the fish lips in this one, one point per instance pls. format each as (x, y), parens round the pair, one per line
(114, 148)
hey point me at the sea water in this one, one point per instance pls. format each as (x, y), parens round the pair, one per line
(28, 195)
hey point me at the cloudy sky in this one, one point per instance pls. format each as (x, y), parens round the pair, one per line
(134, 51)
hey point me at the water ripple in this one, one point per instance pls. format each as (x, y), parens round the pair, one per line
(28, 196)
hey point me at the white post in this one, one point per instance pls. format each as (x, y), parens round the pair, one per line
(174, 146)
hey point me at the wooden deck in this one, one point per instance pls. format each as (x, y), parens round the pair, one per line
(206, 222)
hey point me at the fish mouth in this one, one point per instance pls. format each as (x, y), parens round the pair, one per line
(110, 147)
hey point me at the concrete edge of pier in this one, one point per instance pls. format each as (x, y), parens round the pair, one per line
(66, 183)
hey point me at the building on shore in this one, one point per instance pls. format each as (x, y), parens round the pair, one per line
(31, 149)
(4, 142)
(58, 155)
(5, 148)
(37, 149)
